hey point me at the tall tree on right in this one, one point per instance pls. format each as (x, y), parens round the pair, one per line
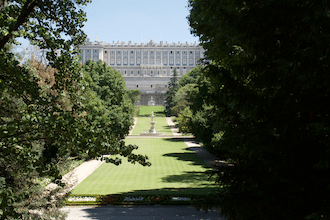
(270, 60)
(173, 87)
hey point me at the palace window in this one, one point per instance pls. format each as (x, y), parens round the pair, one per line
(132, 62)
(191, 62)
(138, 61)
(125, 61)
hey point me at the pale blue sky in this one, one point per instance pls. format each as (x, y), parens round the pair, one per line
(138, 21)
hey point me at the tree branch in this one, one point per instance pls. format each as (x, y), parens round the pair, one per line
(22, 18)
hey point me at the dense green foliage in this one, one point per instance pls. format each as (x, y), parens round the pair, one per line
(134, 95)
(170, 93)
(268, 104)
(48, 120)
(106, 99)
(109, 114)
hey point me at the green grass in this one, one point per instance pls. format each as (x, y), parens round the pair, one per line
(143, 124)
(175, 170)
(147, 111)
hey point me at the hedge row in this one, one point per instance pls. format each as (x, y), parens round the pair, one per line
(134, 200)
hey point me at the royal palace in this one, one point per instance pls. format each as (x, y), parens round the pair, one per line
(145, 66)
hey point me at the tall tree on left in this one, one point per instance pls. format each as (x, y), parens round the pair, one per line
(41, 123)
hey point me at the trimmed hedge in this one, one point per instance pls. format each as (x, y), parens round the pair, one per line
(135, 200)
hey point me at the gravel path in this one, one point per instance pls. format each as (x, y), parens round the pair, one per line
(173, 127)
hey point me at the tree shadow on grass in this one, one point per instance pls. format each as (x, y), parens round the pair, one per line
(188, 156)
(197, 178)
(159, 113)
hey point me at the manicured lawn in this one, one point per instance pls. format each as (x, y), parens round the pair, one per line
(175, 170)
(147, 110)
(143, 124)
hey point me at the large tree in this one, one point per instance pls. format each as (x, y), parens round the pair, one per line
(270, 60)
(173, 87)
(44, 122)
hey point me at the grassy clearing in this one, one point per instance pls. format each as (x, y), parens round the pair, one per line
(143, 124)
(146, 111)
(175, 170)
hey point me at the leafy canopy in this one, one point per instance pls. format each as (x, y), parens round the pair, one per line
(45, 121)
(270, 64)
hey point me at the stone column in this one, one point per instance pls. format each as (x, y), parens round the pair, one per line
(168, 61)
(84, 55)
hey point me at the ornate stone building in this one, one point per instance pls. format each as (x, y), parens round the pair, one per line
(147, 67)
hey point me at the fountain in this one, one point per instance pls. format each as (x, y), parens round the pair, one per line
(152, 130)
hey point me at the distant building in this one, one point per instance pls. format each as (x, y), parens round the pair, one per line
(147, 67)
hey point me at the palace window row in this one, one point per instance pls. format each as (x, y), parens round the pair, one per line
(149, 57)
(156, 73)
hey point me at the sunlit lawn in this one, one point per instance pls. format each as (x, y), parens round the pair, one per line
(175, 170)
(147, 110)
(143, 124)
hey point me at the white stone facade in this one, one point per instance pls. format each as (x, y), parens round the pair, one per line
(147, 67)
